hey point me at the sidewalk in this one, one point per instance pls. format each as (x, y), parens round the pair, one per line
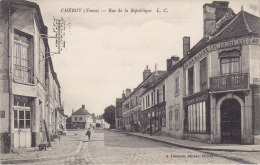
(198, 145)
(68, 145)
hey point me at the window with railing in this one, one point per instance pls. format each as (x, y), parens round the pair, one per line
(230, 65)
(22, 58)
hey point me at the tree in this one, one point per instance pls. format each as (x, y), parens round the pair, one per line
(109, 115)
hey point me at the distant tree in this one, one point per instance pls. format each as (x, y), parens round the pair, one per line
(109, 115)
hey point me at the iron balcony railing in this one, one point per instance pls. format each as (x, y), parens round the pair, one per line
(235, 81)
(23, 74)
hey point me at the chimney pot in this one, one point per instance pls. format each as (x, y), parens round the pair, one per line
(83, 106)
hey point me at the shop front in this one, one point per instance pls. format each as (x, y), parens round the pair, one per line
(197, 117)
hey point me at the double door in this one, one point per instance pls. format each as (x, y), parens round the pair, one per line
(22, 127)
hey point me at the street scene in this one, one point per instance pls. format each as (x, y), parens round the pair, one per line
(133, 82)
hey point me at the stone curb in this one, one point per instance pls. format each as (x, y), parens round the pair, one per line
(189, 147)
(16, 161)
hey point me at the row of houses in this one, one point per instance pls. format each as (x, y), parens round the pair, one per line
(82, 119)
(30, 92)
(212, 94)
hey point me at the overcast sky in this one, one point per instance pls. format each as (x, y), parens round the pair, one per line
(107, 52)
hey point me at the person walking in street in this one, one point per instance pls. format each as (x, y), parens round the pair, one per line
(88, 134)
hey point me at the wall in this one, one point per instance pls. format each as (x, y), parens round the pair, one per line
(174, 101)
(4, 93)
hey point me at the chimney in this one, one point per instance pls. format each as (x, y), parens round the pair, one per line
(72, 111)
(123, 94)
(169, 64)
(146, 73)
(212, 13)
(186, 46)
(127, 92)
(83, 106)
(174, 59)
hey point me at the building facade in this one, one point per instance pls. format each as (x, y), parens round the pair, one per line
(221, 84)
(82, 119)
(23, 85)
(212, 93)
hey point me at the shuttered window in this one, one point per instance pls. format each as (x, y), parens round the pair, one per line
(203, 74)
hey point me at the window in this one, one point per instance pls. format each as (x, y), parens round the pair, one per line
(158, 96)
(170, 118)
(197, 117)
(177, 86)
(22, 57)
(203, 74)
(136, 101)
(148, 98)
(190, 81)
(76, 118)
(177, 119)
(230, 65)
(152, 98)
(164, 93)
(143, 103)
(80, 118)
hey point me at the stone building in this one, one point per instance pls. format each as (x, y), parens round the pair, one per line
(118, 112)
(153, 104)
(131, 105)
(222, 75)
(82, 119)
(174, 96)
(23, 85)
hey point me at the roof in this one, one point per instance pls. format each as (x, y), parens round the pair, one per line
(242, 24)
(81, 112)
(147, 82)
(155, 80)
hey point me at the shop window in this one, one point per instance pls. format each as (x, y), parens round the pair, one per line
(190, 81)
(22, 58)
(203, 74)
(197, 117)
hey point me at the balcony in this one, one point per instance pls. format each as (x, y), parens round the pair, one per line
(231, 82)
(23, 74)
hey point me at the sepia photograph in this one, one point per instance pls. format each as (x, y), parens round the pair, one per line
(129, 82)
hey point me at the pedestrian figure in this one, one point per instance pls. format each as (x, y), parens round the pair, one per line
(88, 133)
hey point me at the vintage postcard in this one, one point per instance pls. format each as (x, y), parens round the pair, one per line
(129, 82)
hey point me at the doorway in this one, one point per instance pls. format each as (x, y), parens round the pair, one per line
(22, 127)
(230, 121)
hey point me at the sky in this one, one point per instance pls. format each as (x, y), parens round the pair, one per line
(106, 52)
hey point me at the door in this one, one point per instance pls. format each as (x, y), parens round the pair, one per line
(22, 127)
(230, 121)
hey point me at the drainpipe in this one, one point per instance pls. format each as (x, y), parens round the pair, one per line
(9, 73)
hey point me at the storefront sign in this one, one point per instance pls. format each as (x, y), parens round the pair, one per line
(203, 53)
(196, 98)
